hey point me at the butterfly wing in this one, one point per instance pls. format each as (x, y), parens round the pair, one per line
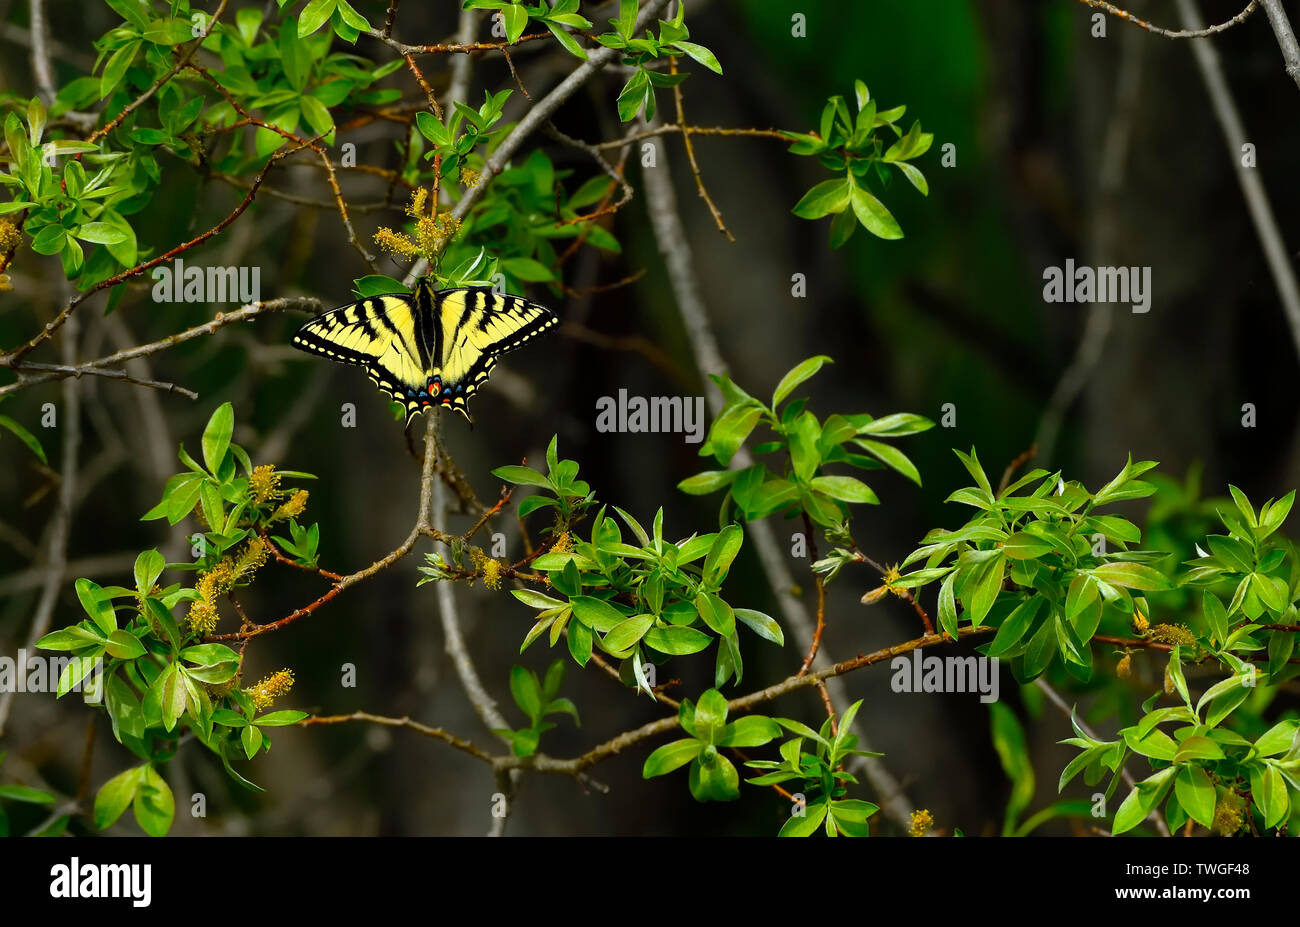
(380, 334)
(478, 326)
(427, 348)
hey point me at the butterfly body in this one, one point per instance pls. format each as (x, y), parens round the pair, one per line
(430, 347)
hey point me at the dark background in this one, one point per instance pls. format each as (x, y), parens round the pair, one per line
(953, 313)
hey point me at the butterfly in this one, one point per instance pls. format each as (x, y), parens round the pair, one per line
(430, 347)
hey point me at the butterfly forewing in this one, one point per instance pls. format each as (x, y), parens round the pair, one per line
(477, 327)
(375, 333)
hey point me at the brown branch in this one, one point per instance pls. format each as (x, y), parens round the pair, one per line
(278, 556)
(1125, 15)
(221, 319)
(436, 732)
(618, 744)
(61, 371)
(693, 130)
(690, 156)
(460, 48)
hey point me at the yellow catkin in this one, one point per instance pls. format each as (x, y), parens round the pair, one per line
(922, 821)
(563, 543)
(1140, 623)
(270, 688)
(1229, 815)
(397, 243)
(252, 558)
(418, 199)
(1172, 634)
(202, 617)
(470, 177)
(10, 237)
(292, 508)
(264, 484)
(1124, 668)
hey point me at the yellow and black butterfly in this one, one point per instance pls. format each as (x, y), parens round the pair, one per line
(428, 348)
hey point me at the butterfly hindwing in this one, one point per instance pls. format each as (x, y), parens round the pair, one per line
(426, 348)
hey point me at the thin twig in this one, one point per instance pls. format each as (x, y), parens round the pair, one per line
(1276, 252)
(690, 157)
(221, 319)
(1191, 32)
(63, 370)
(438, 733)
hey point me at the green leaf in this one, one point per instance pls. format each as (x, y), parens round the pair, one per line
(873, 215)
(209, 654)
(716, 780)
(97, 605)
(624, 635)
(702, 484)
(807, 825)
(677, 641)
(279, 718)
(124, 645)
(515, 18)
(154, 805)
(700, 54)
(596, 614)
(723, 551)
(148, 567)
(669, 757)
(1025, 546)
(115, 796)
(984, 585)
(24, 436)
(751, 731)
(216, 436)
(527, 694)
(523, 476)
(731, 428)
(891, 456)
(1268, 789)
(710, 715)
(761, 624)
(716, 613)
(798, 374)
(580, 642)
(101, 233)
(568, 41)
(1133, 575)
(829, 196)
(1142, 800)
(26, 794)
(845, 489)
